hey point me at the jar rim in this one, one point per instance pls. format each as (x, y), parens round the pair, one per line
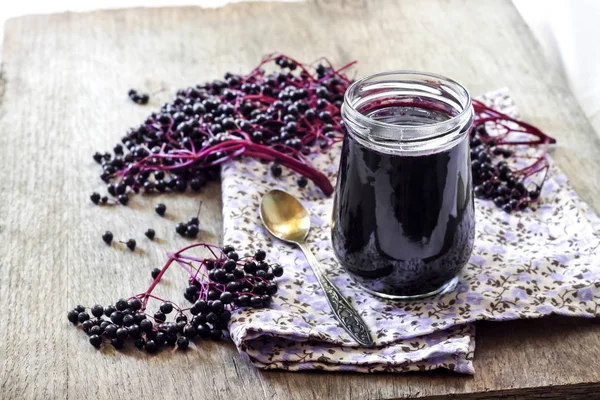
(408, 84)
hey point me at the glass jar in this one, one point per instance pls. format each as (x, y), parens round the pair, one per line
(403, 218)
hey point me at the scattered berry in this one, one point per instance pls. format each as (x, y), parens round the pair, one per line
(131, 244)
(160, 209)
(181, 228)
(107, 237)
(276, 170)
(95, 197)
(302, 181)
(95, 340)
(183, 342)
(138, 98)
(150, 234)
(192, 231)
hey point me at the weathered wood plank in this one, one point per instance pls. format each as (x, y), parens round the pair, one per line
(65, 80)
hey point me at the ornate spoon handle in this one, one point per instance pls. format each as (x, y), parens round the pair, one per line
(343, 310)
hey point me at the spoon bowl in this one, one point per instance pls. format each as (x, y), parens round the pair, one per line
(284, 216)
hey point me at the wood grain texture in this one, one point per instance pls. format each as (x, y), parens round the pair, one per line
(65, 79)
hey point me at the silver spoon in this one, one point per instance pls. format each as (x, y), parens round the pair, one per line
(287, 219)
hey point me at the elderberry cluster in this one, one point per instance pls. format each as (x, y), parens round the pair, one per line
(241, 283)
(280, 115)
(217, 287)
(495, 180)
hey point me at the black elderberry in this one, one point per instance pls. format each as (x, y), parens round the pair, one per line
(232, 255)
(160, 338)
(260, 287)
(123, 199)
(83, 316)
(225, 298)
(160, 209)
(73, 317)
(95, 197)
(122, 333)
(121, 188)
(139, 317)
(277, 270)
(192, 231)
(260, 255)
(150, 234)
(97, 311)
(160, 317)
(250, 267)
(139, 343)
(134, 331)
(181, 228)
(87, 325)
(95, 340)
(500, 201)
(479, 191)
(228, 249)
(212, 318)
(155, 272)
(182, 342)
(95, 330)
(108, 310)
(534, 194)
(107, 237)
(171, 329)
(112, 189)
(302, 181)
(117, 317)
(151, 346)
(180, 185)
(166, 307)
(276, 170)
(104, 324)
(131, 244)
(232, 287)
(256, 302)
(146, 325)
(243, 300)
(128, 320)
(238, 273)
(271, 288)
(262, 266)
(161, 187)
(189, 331)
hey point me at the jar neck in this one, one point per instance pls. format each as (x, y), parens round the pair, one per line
(407, 113)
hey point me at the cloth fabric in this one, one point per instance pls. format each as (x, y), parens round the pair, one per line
(527, 264)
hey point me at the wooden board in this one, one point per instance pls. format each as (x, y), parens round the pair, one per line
(65, 79)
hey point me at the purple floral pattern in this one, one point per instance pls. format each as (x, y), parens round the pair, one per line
(525, 265)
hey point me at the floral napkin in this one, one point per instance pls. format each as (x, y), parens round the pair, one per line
(525, 265)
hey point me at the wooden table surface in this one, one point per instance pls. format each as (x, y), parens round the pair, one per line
(64, 84)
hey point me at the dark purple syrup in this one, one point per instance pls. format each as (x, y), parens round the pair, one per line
(403, 225)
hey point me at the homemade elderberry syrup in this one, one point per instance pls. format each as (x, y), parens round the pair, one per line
(403, 217)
